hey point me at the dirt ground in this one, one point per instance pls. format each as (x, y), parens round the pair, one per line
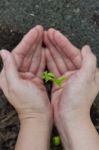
(77, 19)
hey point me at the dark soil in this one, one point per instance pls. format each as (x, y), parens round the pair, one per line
(9, 123)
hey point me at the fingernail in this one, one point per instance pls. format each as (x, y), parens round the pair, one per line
(88, 49)
(58, 32)
(38, 27)
(34, 29)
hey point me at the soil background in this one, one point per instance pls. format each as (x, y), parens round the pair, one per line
(77, 19)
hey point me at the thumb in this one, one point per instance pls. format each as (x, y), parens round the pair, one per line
(97, 77)
(89, 62)
(9, 67)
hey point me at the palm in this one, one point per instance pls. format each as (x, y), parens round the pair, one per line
(33, 91)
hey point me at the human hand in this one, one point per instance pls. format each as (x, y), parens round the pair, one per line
(72, 101)
(21, 77)
(65, 59)
(21, 82)
(62, 58)
(80, 89)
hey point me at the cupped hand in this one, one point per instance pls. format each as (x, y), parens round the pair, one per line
(21, 77)
(77, 94)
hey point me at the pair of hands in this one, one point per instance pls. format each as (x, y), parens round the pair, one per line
(21, 77)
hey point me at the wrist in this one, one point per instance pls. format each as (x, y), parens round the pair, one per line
(78, 130)
(71, 124)
(72, 118)
(35, 131)
(38, 120)
(38, 125)
(74, 115)
(30, 114)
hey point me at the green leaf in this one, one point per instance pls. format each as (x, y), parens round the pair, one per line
(59, 81)
(48, 76)
(56, 140)
(51, 75)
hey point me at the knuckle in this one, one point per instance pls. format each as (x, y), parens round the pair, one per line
(63, 45)
(75, 55)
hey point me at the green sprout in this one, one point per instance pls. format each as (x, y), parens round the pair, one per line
(49, 76)
(59, 81)
(56, 140)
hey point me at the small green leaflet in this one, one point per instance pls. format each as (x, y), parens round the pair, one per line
(59, 81)
(56, 140)
(49, 76)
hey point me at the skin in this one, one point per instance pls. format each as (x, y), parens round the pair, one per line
(72, 102)
(21, 82)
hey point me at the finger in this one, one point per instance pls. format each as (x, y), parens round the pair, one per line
(69, 74)
(97, 77)
(51, 64)
(25, 46)
(42, 65)
(67, 61)
(55, 54)
(26, 75)
(10, 68)
(3, 83)
(33, 54)
(69, 49)
(89, 63)
(35, 61)
(36, 57)
(69, 64)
